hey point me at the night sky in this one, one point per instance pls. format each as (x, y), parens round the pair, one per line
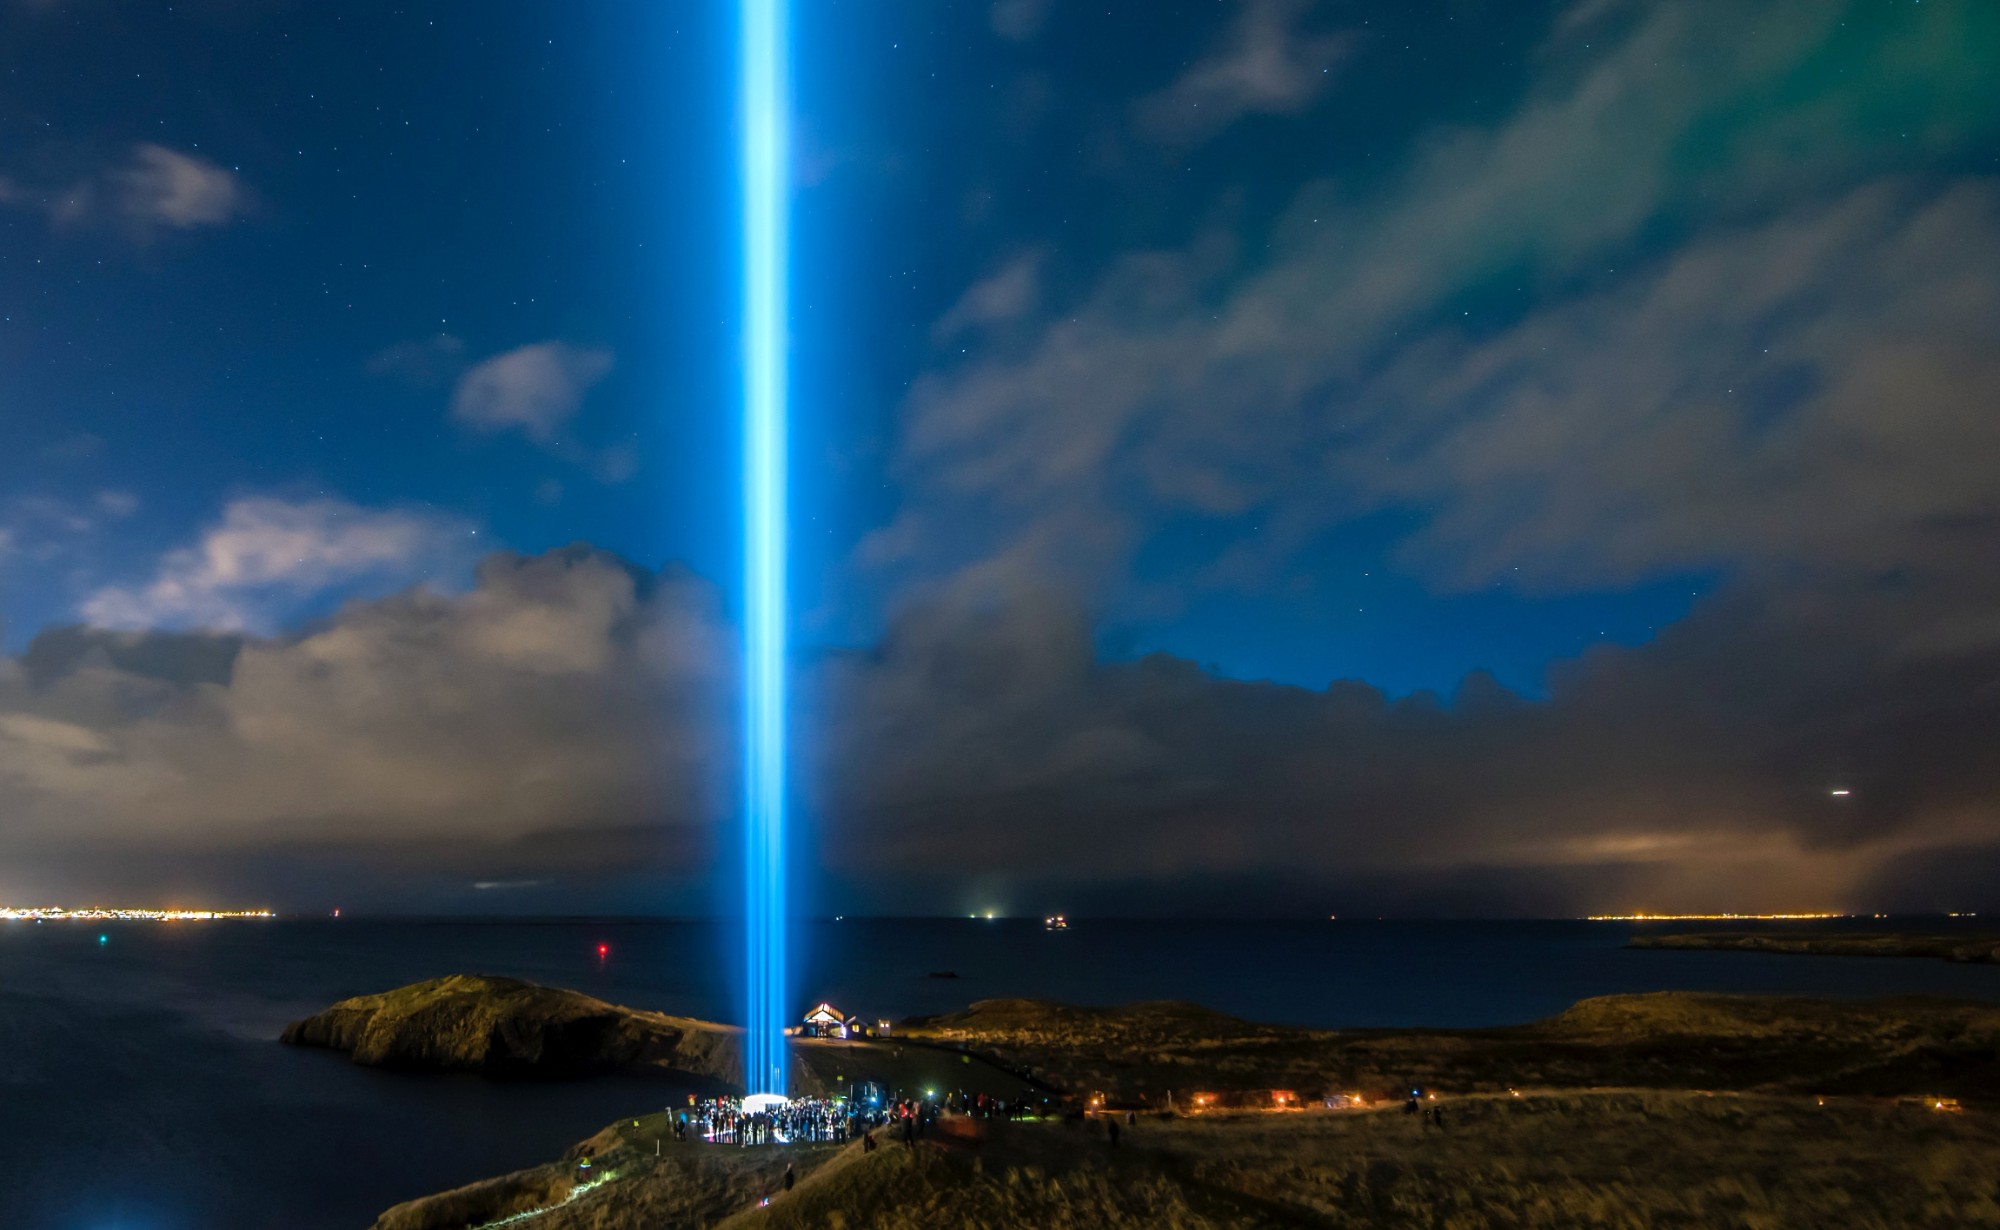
(1250, 457)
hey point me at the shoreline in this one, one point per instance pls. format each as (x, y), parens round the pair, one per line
(1666, 1063)
(1965, 949)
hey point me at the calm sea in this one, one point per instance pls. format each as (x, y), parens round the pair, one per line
(141, 1086)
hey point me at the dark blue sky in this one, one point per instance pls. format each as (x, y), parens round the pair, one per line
(509, 174)
(1156, 365)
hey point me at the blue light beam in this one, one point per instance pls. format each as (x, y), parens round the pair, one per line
(766, 151)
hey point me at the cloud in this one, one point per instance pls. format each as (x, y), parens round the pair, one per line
(1725, 364)
(180, 191)
(83, 446)
(267, 555)
(426, 364)
(44, 528)
(987, 741)
(569, 719)
(117, 504)
(1007, 294)
(1018, 20)
(1266, 64)
(536, 389)
(1814, 391)
(155, 190)
(544, 719)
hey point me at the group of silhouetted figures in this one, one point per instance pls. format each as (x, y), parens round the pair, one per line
(1433, 1116)
(725, 1121)
(837, 1121)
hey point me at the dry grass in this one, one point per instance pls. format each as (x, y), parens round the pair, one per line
(1630, 1159)
(486, 1201)
(1670, 1040)
(1605, 1132)
(688, 1184)
(507, 1027)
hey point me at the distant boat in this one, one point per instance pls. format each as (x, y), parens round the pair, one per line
(1055, 922)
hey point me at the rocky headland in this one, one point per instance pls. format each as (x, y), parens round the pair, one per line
(511, 1029)
(505, 1027)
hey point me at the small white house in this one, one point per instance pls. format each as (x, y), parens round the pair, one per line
(827, 1021)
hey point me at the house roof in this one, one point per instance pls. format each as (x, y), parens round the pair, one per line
(826, 1012)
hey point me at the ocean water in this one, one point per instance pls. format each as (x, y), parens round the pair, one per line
(142, 1087)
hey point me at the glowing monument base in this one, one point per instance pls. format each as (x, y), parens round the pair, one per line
(758, 1103)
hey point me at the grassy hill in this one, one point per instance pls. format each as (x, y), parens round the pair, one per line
(1671, 1040)
(507, 1027)
(1636, 1110)
(1607, 1159)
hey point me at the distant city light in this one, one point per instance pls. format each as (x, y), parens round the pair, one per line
(1715, 917)
(1841, 793)
(105, 913)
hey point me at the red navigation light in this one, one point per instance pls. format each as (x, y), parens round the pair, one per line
(603, 951)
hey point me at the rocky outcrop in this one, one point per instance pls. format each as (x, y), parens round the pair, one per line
(509, 1028)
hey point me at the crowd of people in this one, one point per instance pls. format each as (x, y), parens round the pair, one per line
(727, 1121)
(830, 1120)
